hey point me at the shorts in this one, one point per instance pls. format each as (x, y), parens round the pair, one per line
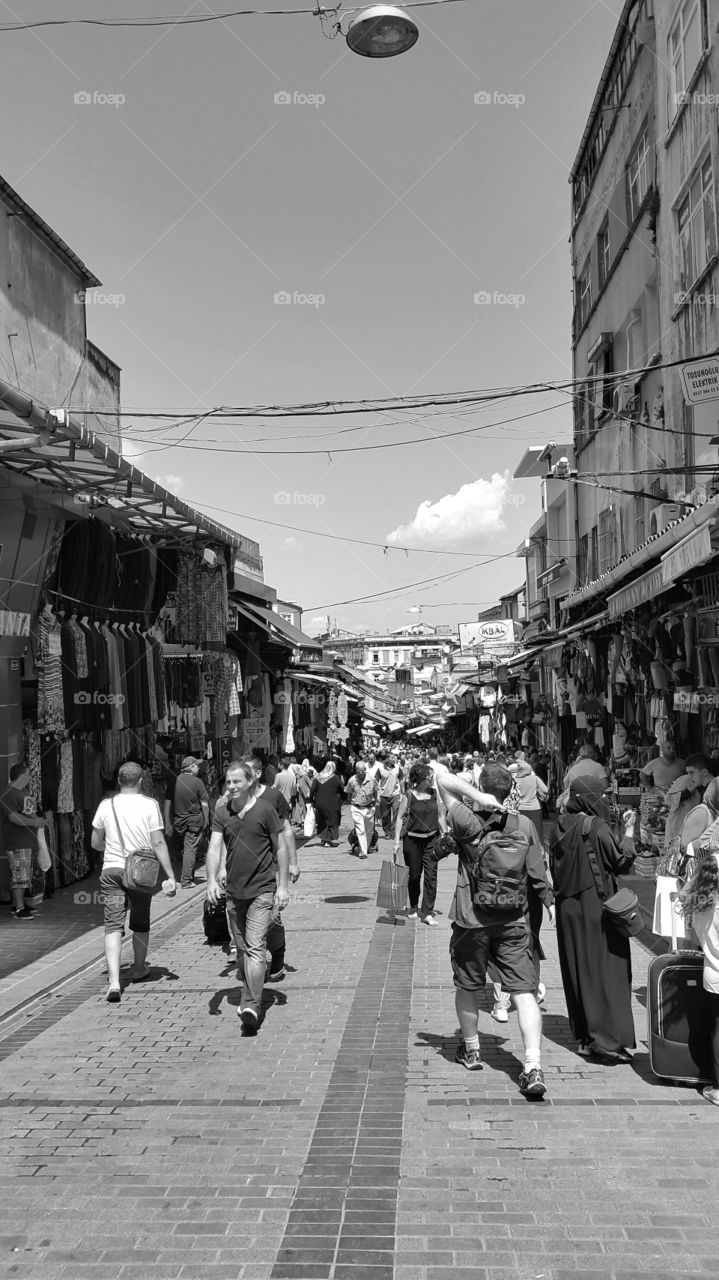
(507, 946)
(20, 862)
(116, 901)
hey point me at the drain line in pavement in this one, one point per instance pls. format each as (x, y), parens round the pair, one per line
(343, 1214)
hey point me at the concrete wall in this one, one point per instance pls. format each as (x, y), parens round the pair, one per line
(686, 136)
(625, 306)
(43, 335)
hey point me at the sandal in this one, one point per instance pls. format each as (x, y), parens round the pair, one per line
(140, 977)
(114, 995)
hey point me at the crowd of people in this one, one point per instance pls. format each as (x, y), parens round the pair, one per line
(515, 866)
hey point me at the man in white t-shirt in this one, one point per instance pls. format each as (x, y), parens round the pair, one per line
(128, 823)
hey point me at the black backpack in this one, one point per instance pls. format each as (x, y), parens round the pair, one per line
(214, 921)
(498, 870)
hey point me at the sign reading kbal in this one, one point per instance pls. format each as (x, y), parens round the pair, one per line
(700, 380)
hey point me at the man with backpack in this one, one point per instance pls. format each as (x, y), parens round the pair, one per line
(498, 854)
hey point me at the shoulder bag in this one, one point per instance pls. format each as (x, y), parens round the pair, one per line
(622, 908)
(141, 867)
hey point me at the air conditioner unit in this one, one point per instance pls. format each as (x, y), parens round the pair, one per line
(624, 397)
(662, 516)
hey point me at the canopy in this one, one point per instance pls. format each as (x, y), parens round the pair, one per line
(272, 622)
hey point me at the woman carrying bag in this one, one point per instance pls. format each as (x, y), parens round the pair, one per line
(417, 828)
(594, 958)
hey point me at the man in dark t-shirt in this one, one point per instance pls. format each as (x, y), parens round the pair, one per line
(191, 814)
(256, 879)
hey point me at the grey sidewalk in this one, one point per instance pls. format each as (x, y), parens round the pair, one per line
(152, 1139)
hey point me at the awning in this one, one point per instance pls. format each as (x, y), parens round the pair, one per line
(637, 592)
(689, 554)
(653, 549)
(422, 729)
(72, 460)
(277, 628)
(521, 658)
(304, 677)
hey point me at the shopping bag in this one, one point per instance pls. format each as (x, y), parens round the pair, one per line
(392, 887)
(310, 823)
(668, 923)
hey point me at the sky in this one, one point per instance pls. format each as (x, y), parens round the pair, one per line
(276, 221)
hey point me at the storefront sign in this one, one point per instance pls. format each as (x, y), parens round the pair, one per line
(637, 593)
(694, 550)
(13, 623)
(302, 656)
(490, 635)
(700, 380)
(255, 730)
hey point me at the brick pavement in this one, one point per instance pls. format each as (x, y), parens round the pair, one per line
(153, 1139)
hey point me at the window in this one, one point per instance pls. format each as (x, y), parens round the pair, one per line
(603, 392)
(593, 553)
(584, 559)
(607, 536)
(696, 227)
(584, 297)
(603, 254)
(375, 657)
(685, 50)
(638, 176)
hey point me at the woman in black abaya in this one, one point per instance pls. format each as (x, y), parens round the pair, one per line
(594, 959)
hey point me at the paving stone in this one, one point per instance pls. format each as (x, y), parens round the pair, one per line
(358, 1142)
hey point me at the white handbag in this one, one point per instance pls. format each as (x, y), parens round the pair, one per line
(310, 823)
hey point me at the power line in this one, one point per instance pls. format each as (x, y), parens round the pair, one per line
(191, 20)
(444, 399)
(334, 537)
(409, 586)
(362, 448)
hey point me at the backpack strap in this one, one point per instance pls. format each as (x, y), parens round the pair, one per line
(587, 829)
(117, 824)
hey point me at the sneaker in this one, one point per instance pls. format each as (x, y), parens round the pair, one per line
(276, 975)
(362, 855)
(531, 1083)
(23, 913)
(413, 914)
(711, 1095)
(500, 1009)
(468, 1058)
(249, 1019)
(429, 919)
(541, 993)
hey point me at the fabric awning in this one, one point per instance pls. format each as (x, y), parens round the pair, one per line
(689, 554)
(277, 627)
(422, 729)
(636, 593)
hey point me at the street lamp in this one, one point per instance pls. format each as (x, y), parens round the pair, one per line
(382, 31)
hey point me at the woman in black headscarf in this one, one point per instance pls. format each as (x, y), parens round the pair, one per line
(594, 958)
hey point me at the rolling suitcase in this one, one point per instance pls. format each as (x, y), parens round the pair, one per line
(678, 1026)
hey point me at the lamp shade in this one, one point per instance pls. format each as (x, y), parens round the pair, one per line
(382, 31)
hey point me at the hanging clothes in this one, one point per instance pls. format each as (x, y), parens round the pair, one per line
(51, 712)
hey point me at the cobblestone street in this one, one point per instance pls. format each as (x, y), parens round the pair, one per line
(154, 1140)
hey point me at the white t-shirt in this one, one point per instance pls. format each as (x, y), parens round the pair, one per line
(138, 817)
(706, 927)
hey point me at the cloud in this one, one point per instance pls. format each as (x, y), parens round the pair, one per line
(172, 482)
(473, 511)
